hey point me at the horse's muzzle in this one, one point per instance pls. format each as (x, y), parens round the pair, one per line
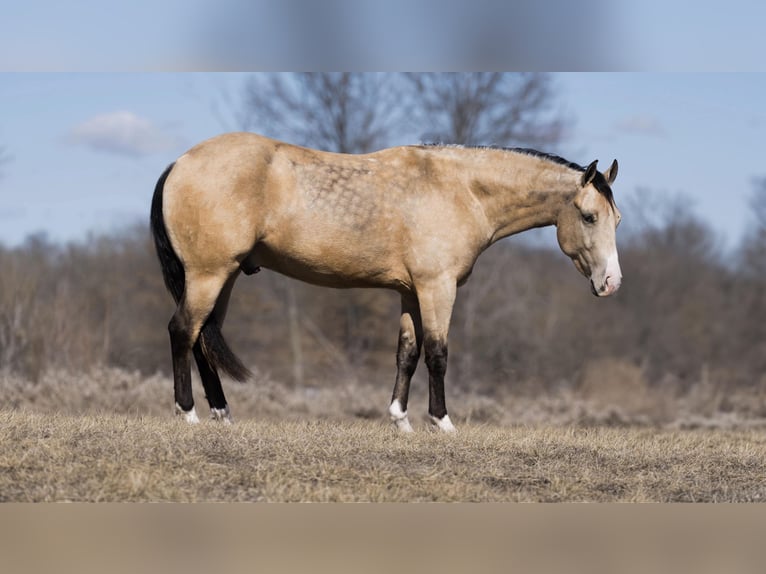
(609, 287)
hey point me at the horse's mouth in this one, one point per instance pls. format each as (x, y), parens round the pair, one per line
(605, 290)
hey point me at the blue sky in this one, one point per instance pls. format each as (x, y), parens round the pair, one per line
(86, 149)
(149, 35)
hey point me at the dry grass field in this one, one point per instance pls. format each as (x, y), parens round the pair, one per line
(109, 436)
(126, 458)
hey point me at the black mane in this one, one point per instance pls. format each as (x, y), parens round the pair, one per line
(522, 150)
(543, 155)
(598, 181)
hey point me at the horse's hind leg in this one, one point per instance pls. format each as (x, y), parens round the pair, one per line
(407, 355)
(211, 382)
(199, 298)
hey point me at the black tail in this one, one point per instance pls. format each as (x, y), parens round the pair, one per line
(214, 346)
(218, 353)
(172, 268)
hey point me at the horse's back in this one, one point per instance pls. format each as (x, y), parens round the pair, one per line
(327, 218)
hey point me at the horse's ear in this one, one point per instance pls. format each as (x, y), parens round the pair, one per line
(611, 174)
(590, 173)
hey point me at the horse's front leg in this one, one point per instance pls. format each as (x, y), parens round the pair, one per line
(407, 355)
(436, 300)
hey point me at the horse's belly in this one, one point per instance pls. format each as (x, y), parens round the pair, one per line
(340, 264)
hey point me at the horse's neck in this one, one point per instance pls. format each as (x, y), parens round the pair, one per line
(518, 192)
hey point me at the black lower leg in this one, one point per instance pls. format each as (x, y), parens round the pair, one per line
(211, 382)
(407, 355)
(436, 360)
(179, 346)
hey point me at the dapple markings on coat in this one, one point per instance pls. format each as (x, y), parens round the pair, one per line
(413, 219)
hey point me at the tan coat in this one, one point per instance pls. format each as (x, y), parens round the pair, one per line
(412, 218)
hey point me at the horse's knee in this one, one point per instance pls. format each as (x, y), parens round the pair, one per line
(436, 357)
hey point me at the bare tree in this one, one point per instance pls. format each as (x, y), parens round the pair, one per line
(484, 108)
(487, 108)
(754, 246)
(341, 112)
(360, 112)
(344, 112)
(750, 289)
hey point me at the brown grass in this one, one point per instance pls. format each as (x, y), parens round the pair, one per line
(55, 457)
(108, 435)
(607, 393)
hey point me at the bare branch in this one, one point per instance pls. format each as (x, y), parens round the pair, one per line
(753, 250)
(489, 108)
(344, 112)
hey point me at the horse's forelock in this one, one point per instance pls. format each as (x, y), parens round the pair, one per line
(601, 185)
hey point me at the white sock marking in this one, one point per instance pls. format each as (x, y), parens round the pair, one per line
(399, 417)
(444, 424)
(404, 425)
(189, 416)
(223, 415)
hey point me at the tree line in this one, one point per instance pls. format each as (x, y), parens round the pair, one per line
(688, 310)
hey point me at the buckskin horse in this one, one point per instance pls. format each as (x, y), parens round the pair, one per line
(413, 219)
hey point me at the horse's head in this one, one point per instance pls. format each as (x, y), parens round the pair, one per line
(586, 230)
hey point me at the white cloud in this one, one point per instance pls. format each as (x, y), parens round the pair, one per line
(122, 133)
(640, 125)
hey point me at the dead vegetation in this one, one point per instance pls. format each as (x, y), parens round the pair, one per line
(108, 435)
(608, 393)
(129, 458)
(558, 396)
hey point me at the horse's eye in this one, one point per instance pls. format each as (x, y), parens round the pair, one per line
(589, 218)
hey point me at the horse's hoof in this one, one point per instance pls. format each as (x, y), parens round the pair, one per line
(403, 425)
(189, 416)
(444, 424)
(399, 417)
(223, 415)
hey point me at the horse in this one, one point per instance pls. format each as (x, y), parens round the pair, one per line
(412, 218)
